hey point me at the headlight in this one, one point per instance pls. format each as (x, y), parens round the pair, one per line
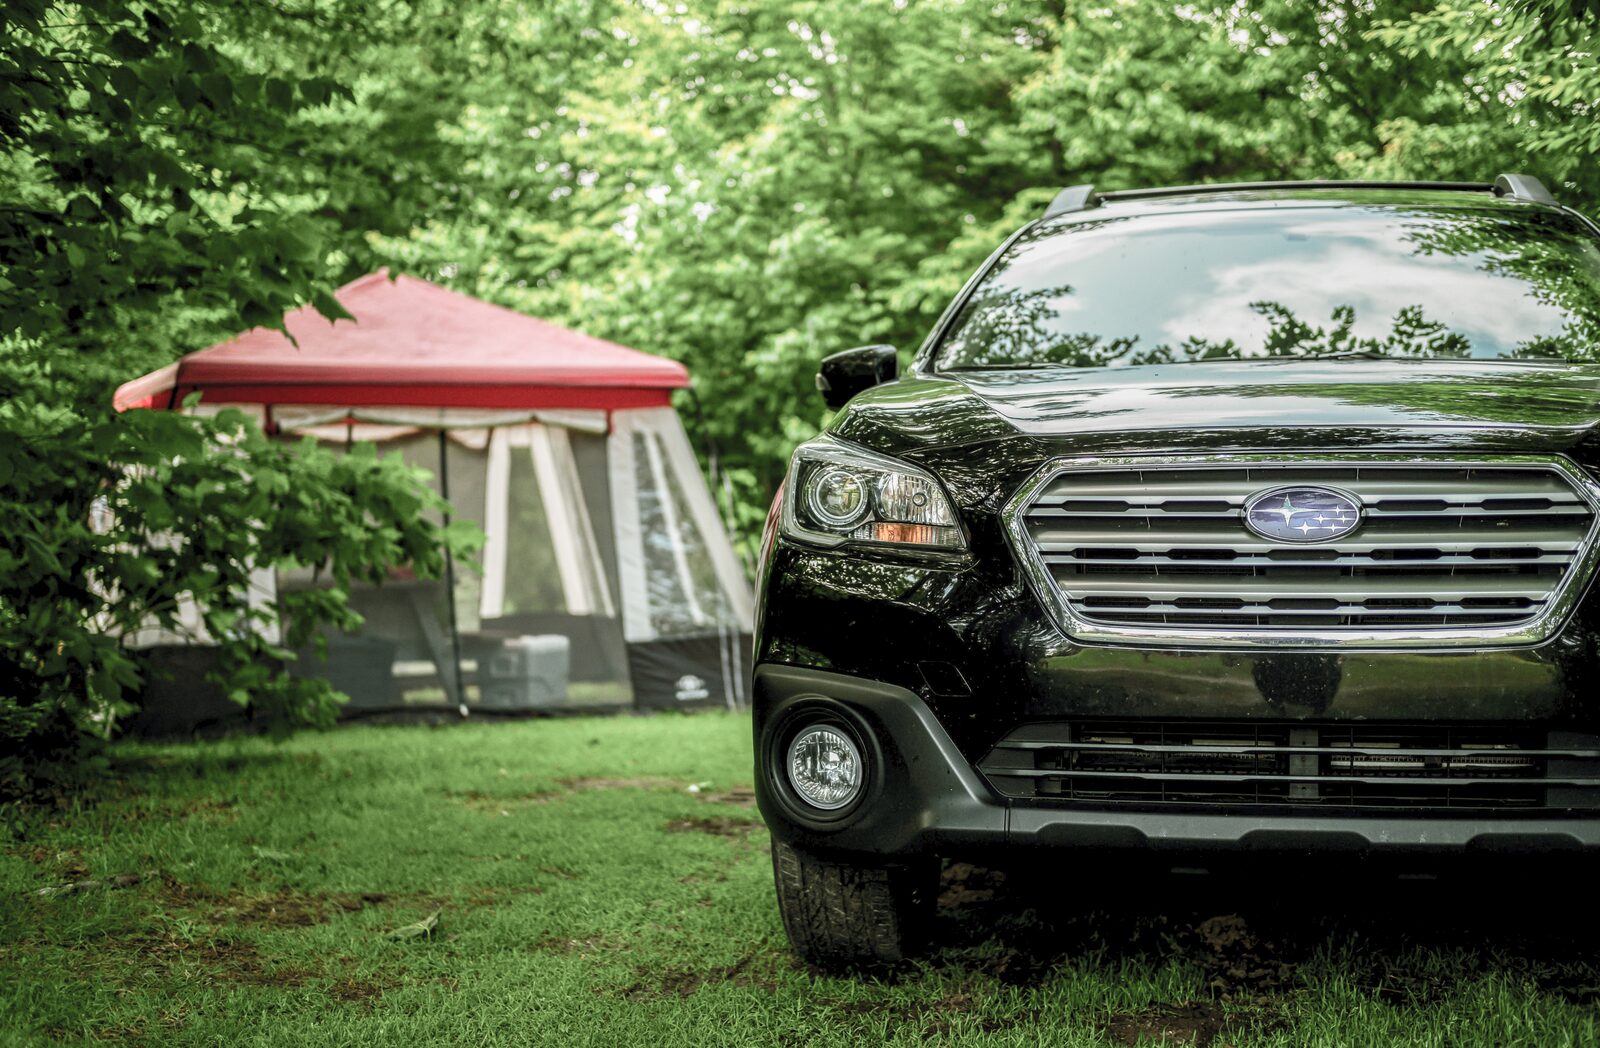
(836, 494)
(836, 497)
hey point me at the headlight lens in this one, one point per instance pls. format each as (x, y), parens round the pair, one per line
(836, 497)
(838, 494)
(825, 767)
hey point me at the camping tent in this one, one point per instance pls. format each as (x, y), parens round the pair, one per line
(607, 575)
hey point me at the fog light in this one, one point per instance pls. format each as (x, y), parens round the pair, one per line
(825, 768)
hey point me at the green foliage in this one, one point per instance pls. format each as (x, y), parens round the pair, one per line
(748, 187)
(162, 187)
(128, 522)
(1529, 87)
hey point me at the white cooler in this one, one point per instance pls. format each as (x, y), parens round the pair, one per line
(525, 673)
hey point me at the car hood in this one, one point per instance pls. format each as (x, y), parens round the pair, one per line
(1456, 406)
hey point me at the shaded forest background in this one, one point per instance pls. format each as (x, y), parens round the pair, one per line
(742, 186)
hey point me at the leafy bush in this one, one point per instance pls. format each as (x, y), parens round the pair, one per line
(166, 183)
(116, 524)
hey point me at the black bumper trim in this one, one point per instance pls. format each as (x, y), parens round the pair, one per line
(931, 800)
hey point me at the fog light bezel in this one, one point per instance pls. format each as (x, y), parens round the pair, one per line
(805, 714)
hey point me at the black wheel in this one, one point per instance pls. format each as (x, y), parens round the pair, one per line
(844, 915)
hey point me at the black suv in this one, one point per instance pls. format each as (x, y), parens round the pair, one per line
(1209, 518)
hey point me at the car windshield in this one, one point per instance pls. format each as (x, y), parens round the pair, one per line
(1303, 281)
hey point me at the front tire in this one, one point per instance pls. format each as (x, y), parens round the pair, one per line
(849, 915)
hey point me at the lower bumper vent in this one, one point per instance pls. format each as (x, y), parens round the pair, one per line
(1394, 768)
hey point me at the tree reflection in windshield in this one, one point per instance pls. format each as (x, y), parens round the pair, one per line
(1562, 272)
(1018, 334)
(1291, 282)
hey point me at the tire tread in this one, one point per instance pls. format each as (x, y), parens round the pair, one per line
(841, 915)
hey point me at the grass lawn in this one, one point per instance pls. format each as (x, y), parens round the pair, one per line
(243, 891)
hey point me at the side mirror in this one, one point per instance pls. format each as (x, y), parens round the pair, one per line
(843, 375)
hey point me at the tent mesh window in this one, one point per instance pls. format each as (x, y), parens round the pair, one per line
(684, 596)
(532, 582)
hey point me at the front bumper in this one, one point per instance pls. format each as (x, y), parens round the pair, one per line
(927, 799)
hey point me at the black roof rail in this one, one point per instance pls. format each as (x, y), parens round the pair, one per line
(1512, 186)
(1522, 187)
(1314, 183)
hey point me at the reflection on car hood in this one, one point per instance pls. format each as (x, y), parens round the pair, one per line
(1315, 394)
(1443, 405)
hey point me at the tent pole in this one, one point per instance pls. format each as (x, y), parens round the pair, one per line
(450, 577)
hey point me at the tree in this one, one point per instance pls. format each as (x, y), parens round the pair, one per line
(161, 190)
(747, 187)
(1527, 94)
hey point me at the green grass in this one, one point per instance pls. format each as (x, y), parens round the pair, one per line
(586, 896)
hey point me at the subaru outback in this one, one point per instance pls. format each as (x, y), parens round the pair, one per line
(1206, 519)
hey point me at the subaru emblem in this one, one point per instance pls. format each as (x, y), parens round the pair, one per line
(1302, 514)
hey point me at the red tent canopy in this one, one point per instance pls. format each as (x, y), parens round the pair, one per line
(413, 344)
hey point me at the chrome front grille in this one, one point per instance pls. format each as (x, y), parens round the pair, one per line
(1393, 767)
(1490, 550)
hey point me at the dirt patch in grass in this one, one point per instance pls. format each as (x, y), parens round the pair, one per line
(975, 907)
(208, 808)
(68, 862)
(1237, 962)
(498, 803)
(642, 782)
(69, 859)
(484, 897)
(360, 991)
(491, 803)
(288, 909)
(285, 908)
(1197, 1023)
(739, 796)
(758, 970)
(941, 1018)
(673, 983)
(716, 825)
(1036, 932)
(964, 886)
(225, 960)
(120, 880)
(183, 895)
(598, 943)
